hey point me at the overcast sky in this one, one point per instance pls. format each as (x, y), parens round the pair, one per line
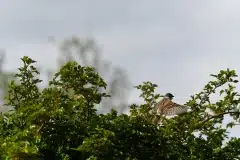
(173, 43)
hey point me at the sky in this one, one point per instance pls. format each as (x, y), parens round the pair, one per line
(175, 44)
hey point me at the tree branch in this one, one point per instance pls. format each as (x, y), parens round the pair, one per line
(218, 115)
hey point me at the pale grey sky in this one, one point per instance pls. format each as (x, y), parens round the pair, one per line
(173, 43)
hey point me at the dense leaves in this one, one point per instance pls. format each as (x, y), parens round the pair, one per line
(61, 122)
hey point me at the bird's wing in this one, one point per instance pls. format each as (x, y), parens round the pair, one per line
(160, 105)
(169, 108)
(176, 110)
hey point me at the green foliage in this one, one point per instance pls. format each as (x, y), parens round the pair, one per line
(61, 122)
(87, 52)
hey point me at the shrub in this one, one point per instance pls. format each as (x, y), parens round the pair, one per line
(60, 121)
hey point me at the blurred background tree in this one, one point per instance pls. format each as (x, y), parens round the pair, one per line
(5, 78)
(87, 53)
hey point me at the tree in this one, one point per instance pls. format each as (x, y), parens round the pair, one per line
(5, 78)
(58, 124)
(87, 52)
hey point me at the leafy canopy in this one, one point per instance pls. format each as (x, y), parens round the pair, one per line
(61, 122)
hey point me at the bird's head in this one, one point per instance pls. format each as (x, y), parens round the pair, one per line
(169, 95)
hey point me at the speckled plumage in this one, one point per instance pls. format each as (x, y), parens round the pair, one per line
(168, 108)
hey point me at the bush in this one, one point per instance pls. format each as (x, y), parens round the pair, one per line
(60, 121)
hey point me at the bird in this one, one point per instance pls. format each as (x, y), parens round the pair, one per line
(166, 107)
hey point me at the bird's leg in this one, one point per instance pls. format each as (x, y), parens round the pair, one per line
(155, 120)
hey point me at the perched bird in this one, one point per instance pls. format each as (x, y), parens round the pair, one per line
(166, 107)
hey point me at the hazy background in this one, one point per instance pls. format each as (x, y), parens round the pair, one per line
(173, 43)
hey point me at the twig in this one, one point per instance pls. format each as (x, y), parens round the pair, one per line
(217, 115)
